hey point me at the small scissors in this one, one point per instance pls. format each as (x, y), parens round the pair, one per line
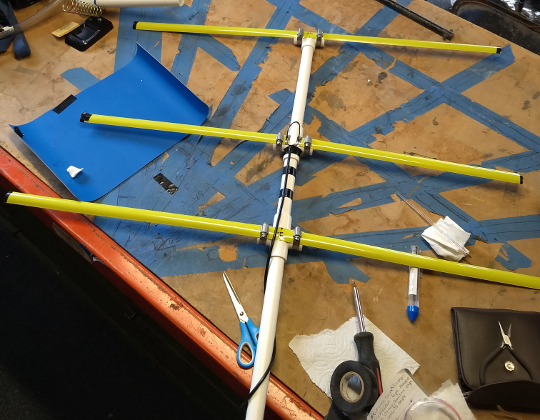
(250, 333)
(506, 343)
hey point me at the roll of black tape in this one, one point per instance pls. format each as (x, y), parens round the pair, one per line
(353, 388)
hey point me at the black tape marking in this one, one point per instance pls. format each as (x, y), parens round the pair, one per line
(165, 183)
(85, 117)
(18, 131)
(294, 150)
(292, 171)
(65, 103)
(286, 193)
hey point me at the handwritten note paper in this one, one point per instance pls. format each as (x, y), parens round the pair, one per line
(396, 397)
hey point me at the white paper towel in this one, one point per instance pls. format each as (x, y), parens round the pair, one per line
(403, 392)
(321, 353)
(453, 396)
(440, 244)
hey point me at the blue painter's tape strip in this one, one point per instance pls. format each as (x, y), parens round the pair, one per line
(342, 271)
(183, 61)
(511, 228)
(522, 162)
(314, 20)
(281, 116)
(381, 20)
(436, 203)
(512, 259)
(413, 76)
(407, 112)
(128, 38)
(480, 71)
(495, 121)
(80, 78)
(241, 86)
(220, 52)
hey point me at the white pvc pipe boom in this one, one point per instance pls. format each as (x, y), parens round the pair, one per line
(272, 293)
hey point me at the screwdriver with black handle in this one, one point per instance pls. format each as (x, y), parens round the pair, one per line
(355, 386)
(364, 342)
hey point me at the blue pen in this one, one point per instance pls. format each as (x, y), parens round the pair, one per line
(414, 276)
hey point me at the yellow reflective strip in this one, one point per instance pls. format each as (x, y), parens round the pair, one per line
(139, 215)
(316, 145)
(213, 30)
(412, 260)
(181, 128)
(252, 230)
(412, 43)
(223, 30)
(439, 165)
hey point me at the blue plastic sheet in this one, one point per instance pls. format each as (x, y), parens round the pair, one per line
(109, 155)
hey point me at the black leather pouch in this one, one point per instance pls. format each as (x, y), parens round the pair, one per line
(491, 374)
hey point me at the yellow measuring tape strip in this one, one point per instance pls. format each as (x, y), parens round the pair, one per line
(223, 30)
(413, 43)
(178, 128)
(212, 30)
(412, 260)
(252, 230)
(321, 145)
(439, 165)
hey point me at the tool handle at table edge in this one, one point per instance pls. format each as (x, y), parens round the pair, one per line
(245, 341)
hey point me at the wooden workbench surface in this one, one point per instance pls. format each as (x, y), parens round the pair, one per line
(456, 106)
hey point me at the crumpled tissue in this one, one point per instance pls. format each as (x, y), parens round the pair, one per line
(321, 353)
(451, 393)
(441, 245)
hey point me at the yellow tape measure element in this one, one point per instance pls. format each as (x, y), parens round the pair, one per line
(252, 230)
(439, 165)
(178, 128)
(235, 31)
(321, 145)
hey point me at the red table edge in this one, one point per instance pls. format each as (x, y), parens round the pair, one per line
(156, 298)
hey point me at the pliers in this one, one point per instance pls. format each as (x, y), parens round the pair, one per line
(506, 344)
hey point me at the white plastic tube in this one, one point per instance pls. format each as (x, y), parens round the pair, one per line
(136, 3)
(272, 293)
(53, 7)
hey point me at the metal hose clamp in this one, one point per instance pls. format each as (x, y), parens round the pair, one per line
(307, 145)
(279, 142)
(297, 235)
(320, 40)
(299, 37)
(264, 232)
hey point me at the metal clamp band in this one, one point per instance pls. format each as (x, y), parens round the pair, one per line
(299, 37)
(279, 142)
(320, 40)
(292, 171)
(297, 235)
(264, 232)
(287, 192)
(307, 145)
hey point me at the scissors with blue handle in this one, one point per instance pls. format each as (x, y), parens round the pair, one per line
(250, 333)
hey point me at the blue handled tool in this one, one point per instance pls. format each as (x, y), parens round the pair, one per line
(250, 333)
